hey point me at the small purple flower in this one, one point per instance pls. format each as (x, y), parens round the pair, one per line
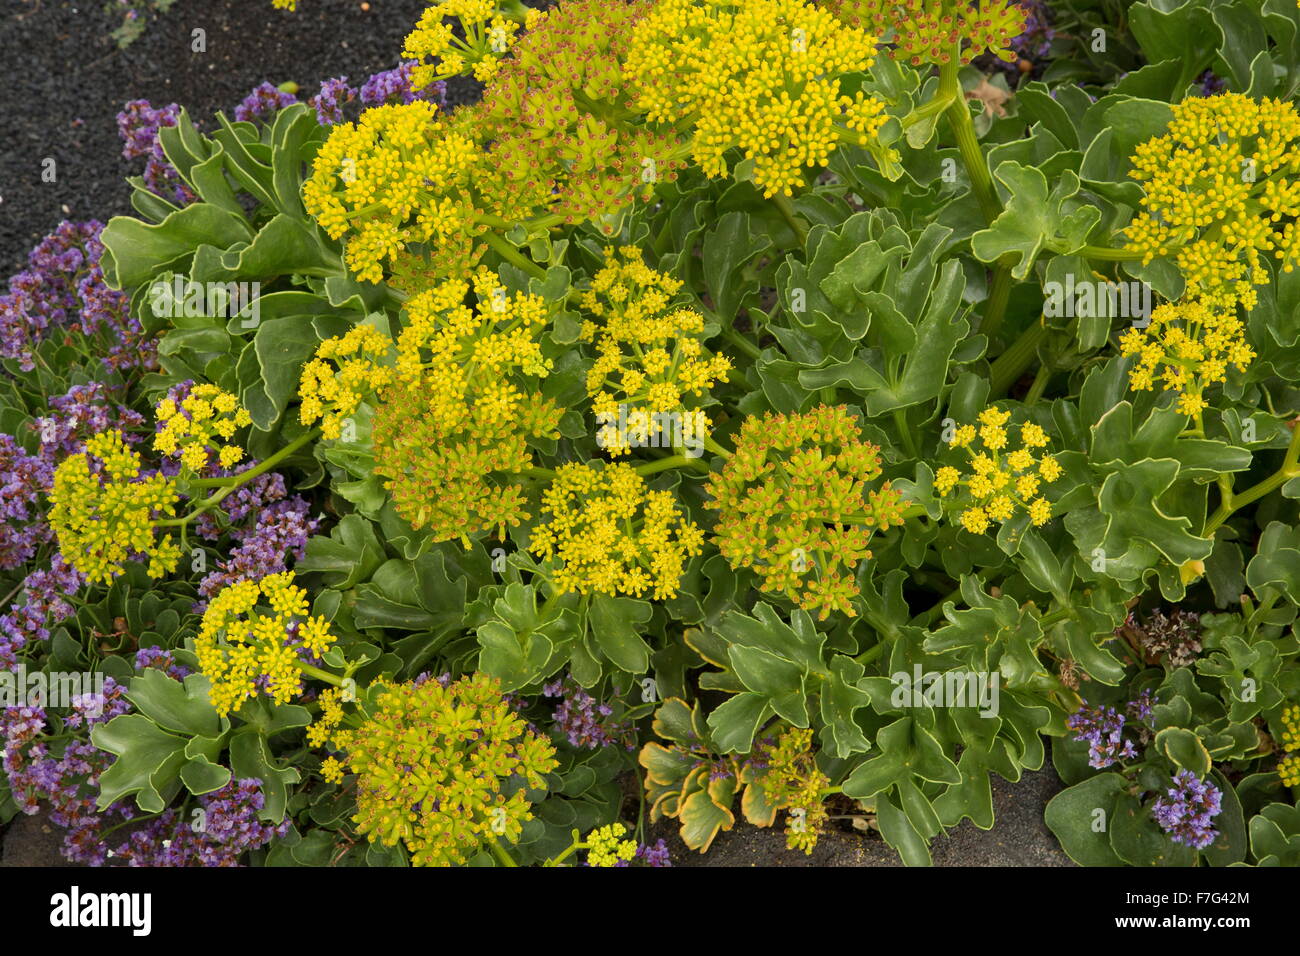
(654, 855)
(263, 103)
(334, 95)
(584, 721)
(1102, 728)
(394, 86)
(1187, 810)
(138, 125)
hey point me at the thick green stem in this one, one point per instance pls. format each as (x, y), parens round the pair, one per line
(499, 852)
(786, 209)
(234, 481)
(995, 306)
(963, 130)
(512, 255)
(312, 670)
(1234, 502)
(673, 461)
(1105, 254)
(1011, 364)
(1041, 378)
(740, 342)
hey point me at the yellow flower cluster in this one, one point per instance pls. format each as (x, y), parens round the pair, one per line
(290, 5)
(485, 36)
(456, 423)
(202, 423)
(1187, 347)
(465, 354)
(761, 76)
(557, 124)
(255, 637)
(648, 356)
(396, 179)
(1288, 767)
(432, 764)
(104, 513)
(795, 504)
(795, 783)
(612, 535)
(606, 846)
(932, 31)
(333, 393)
(1222, 194)
(1000, 481)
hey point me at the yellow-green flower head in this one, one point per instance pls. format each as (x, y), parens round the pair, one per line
(761, 76)
(345, 371)
(612, 534)
(1288, 767)
(396, 185)
(105, 513)
(607, 847)
(796, 505)
(453, 429)
(998, 481)
(1222, 195)
(794, 783)
(650, 355)
(433, 764)
(290, 5)
(254, 638)
(557, 123)
(441, 52)
(934, 31)
(1187, 347)
(196, 428)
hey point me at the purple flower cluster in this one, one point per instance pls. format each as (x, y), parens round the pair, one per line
(1187, 810)
(44, 603)
(63, 288)
(1102, 728)
(78, 414)
(389, 86)
(584, 721)
(68, 780)
(24, 479)
(1210, 84)
(138, 125)
(224, 828)
(655, 855)
(161, 659)
(268, 526)
(263, 103)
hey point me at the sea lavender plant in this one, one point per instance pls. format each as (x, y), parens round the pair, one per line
(1186, 810)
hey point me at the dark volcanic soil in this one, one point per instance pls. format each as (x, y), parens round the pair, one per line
(67, 80)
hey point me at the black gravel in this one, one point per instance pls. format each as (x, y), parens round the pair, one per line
(67, 80)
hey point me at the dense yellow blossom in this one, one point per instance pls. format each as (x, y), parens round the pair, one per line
(613, 535)
(795, 504)
(441, 52)
(999, 481)
(931, 31)
(557, 125)
(650, 356)
(607, 847)
(104, 513)
(200, 426)
(1288, 767)
(1222, 195)
(794, 783)
(1187, 347)
(397, 178)
(331, 393)
(452, 432)
(432, 762)
(255, 638)
(761, 76)
(290, 5)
